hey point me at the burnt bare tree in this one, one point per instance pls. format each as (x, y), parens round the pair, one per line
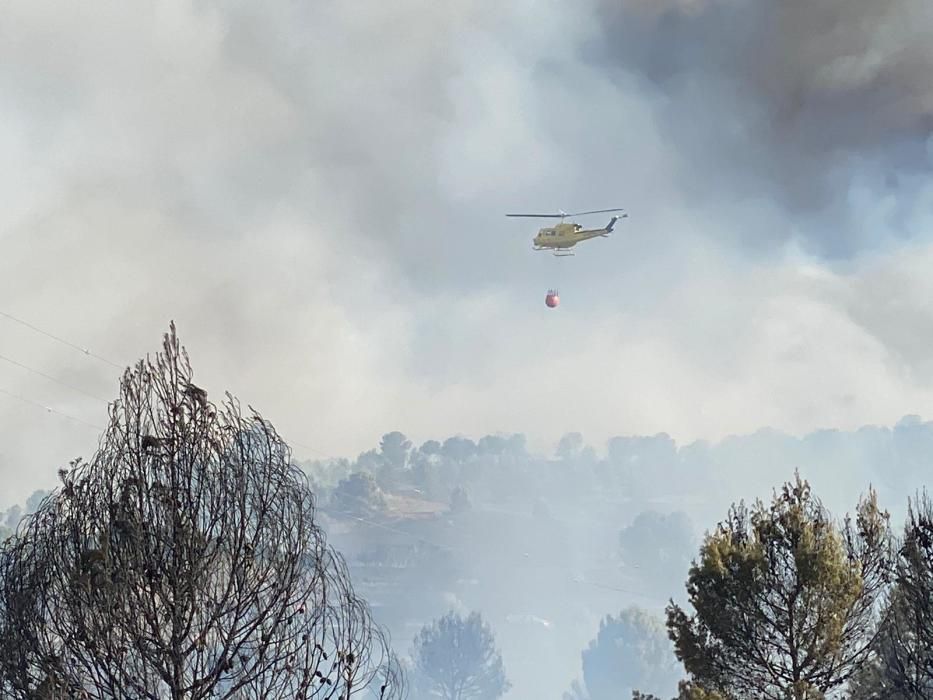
(183, 561)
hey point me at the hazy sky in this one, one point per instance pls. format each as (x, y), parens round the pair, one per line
(315, 193)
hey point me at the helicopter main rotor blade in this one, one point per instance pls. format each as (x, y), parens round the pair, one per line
(563, 214)
(595, 211)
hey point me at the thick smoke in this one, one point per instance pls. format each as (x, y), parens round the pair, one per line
(789, 101)
(315, 193)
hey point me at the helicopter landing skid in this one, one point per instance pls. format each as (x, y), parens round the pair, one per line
(556, 253)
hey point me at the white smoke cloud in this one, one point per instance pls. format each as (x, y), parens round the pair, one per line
(315, 195)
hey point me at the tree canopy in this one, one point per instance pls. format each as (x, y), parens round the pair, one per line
(785, 599)
(902, 668)
(457, 659)
(183, 561)
(630, 652)
(660, 545)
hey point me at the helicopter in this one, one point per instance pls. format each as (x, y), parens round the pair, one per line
(563, 236)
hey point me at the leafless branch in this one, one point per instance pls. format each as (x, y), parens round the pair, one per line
(184, 561)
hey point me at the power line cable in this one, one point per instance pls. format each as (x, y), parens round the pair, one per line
(87, 352)
(80, 349)
(48, 408)
(51, 378)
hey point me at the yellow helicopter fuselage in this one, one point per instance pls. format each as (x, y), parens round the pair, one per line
(565, 236)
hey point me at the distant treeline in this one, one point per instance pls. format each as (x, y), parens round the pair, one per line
(894, 460)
